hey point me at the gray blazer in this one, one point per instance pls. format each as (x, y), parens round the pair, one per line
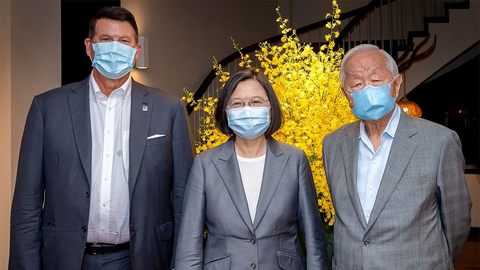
(215, 198)
(421, 216)
(51, 202)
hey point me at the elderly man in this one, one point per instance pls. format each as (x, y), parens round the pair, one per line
(397, 182)
(103, 165)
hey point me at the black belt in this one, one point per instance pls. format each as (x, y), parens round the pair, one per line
(101, 248)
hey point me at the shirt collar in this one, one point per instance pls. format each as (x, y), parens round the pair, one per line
(121, 92)
(391, 126)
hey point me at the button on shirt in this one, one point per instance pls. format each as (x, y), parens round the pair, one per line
(371, 164)
(109, 196)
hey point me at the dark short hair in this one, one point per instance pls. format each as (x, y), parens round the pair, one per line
(276, 116)
(113, 13)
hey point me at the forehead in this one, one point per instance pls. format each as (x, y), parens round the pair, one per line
(113, 28)
(366, 62)
(249, 88)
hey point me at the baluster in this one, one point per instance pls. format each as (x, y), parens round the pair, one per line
(423, 14)
(369, 28)
(390, 26)
(319, 38)
(348, 41)
(374, 26)
(359, 32)
(432, 8)
(381, 26)
(404, 24)
(398, 18)
(413, 17)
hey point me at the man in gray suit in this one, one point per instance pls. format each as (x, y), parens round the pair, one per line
(103, 165)
(397, 182)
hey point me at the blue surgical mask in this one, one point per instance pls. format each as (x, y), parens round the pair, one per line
(247, 122)
(113, 59)
(373, 102)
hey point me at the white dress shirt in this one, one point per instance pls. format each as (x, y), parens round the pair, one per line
(371, 164)
(251, 171)
(109, 200)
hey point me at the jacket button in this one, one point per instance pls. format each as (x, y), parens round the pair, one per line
(253, 266)
(252, 241)
(87, 194)
(367, 243)
(84, 229)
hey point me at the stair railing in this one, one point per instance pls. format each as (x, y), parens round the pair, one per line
(389, 24)
(312, 32)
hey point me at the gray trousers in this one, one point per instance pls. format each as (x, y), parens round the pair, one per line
(113, 261)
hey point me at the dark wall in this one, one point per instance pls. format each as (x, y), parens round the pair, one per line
(76, 15)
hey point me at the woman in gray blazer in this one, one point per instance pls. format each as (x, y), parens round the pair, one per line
(251, 193)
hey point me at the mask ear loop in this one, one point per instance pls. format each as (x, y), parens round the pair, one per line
(394, 78)
(343, 89)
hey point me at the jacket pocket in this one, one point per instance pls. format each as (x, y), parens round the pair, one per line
(166, 230)
(408, 182)
(158, 140)
(289, 261)
(219, 263)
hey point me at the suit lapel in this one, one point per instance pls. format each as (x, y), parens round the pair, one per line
(227, 167)
(401, 152)
(139, 125)
(275, 162)
(80, 113)
(349, 149)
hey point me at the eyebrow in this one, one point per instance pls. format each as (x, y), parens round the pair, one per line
(110, 36)
(249, 97)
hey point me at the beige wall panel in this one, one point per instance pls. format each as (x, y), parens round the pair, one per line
(36, 59)
(184, 35)
(5, 131)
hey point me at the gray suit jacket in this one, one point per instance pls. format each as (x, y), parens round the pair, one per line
(215, 197)
(52, 194)
(421, 216)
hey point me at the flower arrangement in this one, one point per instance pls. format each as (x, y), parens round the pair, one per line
(308, 87)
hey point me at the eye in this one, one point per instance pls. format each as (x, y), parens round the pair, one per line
(105, 39)
(124, 40)
(236, 104)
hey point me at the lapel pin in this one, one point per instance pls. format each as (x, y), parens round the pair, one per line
(145, 108)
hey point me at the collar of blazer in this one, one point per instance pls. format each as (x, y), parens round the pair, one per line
(227, 166)
(139, 125)
(402, 150)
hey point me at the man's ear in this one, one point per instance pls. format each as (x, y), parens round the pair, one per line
(137, 54)
(398, 84)
(88, 48)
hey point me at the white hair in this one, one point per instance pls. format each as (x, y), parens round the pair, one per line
(389, 61)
